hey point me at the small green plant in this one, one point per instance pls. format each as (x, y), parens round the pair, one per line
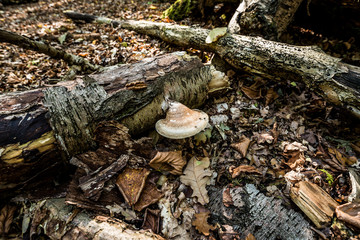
(329, 177)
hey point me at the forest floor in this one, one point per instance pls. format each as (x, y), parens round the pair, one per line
(262, 132)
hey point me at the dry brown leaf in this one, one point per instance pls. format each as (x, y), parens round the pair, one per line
(250, 237)
(270, 96)
(243, 169)
(251, 92)
(242, 146)
(295, 153)
(6, 218)
(149, 195)
(131, 183)
(197, 176)
(201, 223)
(152, 220)
(227, 198)
(172, 162)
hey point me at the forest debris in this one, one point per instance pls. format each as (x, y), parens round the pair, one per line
(93, 184)
(295, 152)
(201, 224)
(51, 217)
(149, 195)
(131, 183)
(243, 169)
(172, 162)
(215, 34)
(181, 121)
(349, 213)
(227, 232)
(6, 218)
(197, 176)
(152, 220)
(242, 145)
(270, 96)
(264, 137)
(354, 196)
(314, 202)
(250, 237)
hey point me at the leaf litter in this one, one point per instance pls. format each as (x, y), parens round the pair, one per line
(276, 134)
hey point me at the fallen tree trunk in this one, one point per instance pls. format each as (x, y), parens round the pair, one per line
(27, 43)
(37, 125)
(335, 81)
(267, 19)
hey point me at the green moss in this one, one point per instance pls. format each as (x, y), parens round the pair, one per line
(180, 9)
(329, 177)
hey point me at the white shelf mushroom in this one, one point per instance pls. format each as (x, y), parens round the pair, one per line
(181, 121)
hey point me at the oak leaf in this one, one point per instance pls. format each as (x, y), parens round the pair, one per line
(201, 223)
(197, 176)
(172, 162)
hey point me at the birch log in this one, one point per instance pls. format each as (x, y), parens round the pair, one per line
(37, 126)
(335, 81)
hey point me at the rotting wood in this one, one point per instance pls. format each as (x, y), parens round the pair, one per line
(314, 202)
(61, 221)
(268, 19)
(27, 141)
(27, 43)
(335, 81)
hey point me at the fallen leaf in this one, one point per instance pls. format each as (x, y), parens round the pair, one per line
(264, 137)
(270, 96)
(227, 199)
(131, 183)
(227, 232)
(215, 34)
(243, 169)
(6, 218)
(197, 176)
(149, 195)
(201, 223)
(151, 220)
(254, 91)
(242, 145)
(295, 153)
(250, 237)
(172, 162)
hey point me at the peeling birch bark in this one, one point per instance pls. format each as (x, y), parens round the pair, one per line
(61, 221)
(37, 126)
(27, 43)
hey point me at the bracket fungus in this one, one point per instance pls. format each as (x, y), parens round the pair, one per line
(181, 121)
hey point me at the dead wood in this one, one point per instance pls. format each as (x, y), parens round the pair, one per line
(60, 221)
(267, 19)
(37, 126)
(27, 43)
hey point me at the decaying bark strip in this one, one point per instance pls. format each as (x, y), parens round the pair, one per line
(314, 202)
(61, 221)
(132, 94)
(337, 82)
(27, 43)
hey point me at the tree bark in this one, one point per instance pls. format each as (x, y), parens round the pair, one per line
(27, 43)
(37, 126)
(60, 221)
(267, 19)
(335, 81)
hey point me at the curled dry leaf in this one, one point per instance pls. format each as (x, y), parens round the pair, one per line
(152, 220)
(270, 96)
(201, 223)
(6, 218)
(242, 146)
(349, 213)
(264, 137)
(131, 183)
(172, 162)
(227, 198)
(243, 169)
(197, 176)
(295, 152)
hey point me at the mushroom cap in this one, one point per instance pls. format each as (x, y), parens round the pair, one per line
(181, 122)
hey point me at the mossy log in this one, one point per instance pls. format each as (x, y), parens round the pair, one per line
(38, 126)
(329, 77)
